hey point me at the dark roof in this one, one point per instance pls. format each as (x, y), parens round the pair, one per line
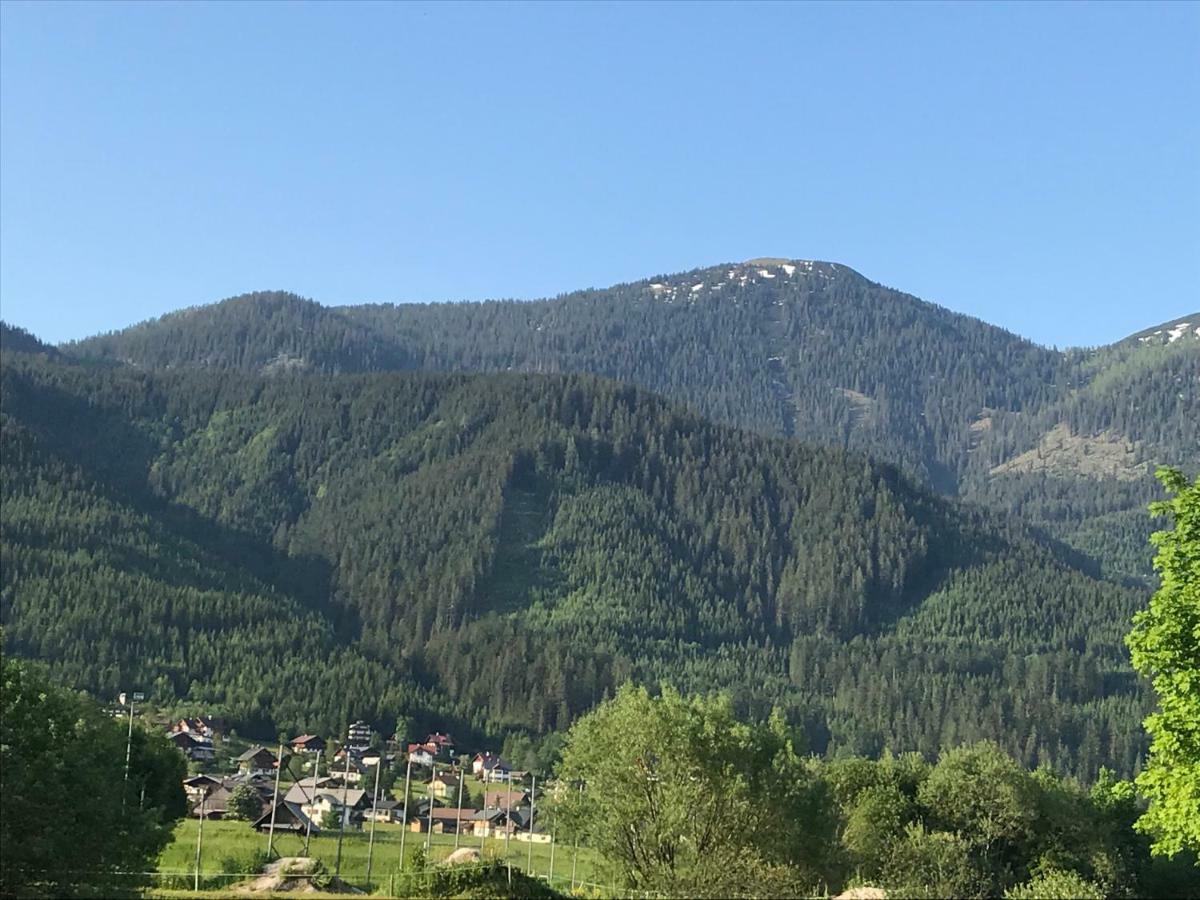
(197, 780)
(452, 814)
(288, 817)
(502, 798)
(253, 752)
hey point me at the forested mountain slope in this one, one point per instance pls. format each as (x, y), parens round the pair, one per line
(801, 348)
(298, 550)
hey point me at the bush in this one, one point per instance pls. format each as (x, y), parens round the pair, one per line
(1055, 884)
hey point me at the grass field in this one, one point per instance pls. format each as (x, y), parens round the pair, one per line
(229, 846)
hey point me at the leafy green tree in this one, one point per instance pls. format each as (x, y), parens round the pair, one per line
(331, 819)
(873, 824)
(667, 791)
(925, 863)
(1165, 645)
(405, 729)
(70, 822)
(984, 797)
(244, 804)
(1055, 884)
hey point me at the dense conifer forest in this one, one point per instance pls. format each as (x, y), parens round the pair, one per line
(1067, 440)
(501, 552)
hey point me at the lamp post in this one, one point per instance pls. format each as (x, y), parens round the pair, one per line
(134, 697)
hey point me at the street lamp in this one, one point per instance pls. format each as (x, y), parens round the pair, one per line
(135, 697)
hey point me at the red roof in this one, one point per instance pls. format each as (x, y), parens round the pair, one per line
(306, 739)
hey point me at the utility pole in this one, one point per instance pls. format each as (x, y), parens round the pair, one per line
(532, 801)
(508, 816)
(274, 802)
(553, 835)
(458, 824)
(374, 814)
(308, 819)
(429, 823)
(486, 821)
(575, 855)
(508, 827)
(200, 838)
(337, 866)
(404, 830)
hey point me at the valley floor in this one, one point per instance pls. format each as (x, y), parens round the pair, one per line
(228, 846)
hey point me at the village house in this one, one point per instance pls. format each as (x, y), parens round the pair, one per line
(194, 746)
(422, 754)
(210, 796)
(497, 822)
(443, 745)
(256, 761)
(444, 821)
(316, 803)
(444, 787)
(358, 738)
(353, 772)
(506, 799)
(488, 767)
(202, 726)
(308, 743)
(287, 817)
(388, 811)
(197, 786)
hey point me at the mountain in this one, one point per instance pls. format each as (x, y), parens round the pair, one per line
(1066, 440)
(501, 551)
(17, 340)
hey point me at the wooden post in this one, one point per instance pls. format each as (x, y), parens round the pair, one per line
(274, 802)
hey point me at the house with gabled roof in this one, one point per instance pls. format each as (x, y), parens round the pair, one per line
(308, 743)
(422, 754)
(194, 746)
(488, 767)
(256, 761)
(441, 820)
(317, 802)
(444, 787)
(504, 799)
(288, 817)
(443, 743)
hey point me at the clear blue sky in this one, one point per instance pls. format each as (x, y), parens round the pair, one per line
(1036, 165)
